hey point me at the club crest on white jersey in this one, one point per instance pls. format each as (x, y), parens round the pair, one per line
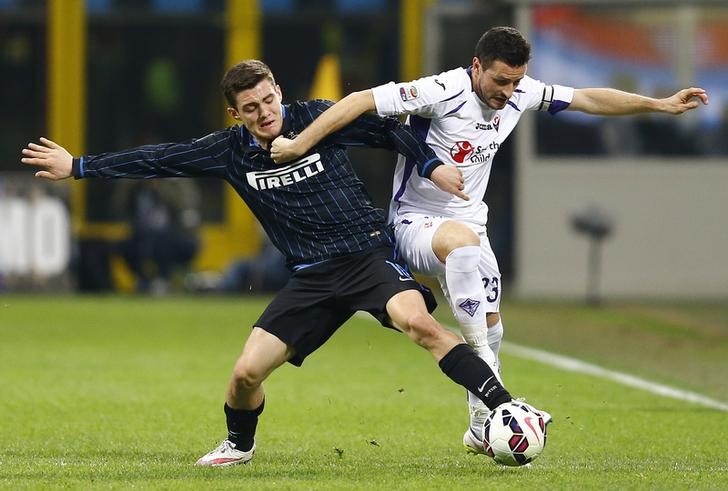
(298, 171)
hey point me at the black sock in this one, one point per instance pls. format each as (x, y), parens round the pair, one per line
(241, 426)
(466, 368)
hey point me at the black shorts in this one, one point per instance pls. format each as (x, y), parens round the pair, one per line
(318, 299)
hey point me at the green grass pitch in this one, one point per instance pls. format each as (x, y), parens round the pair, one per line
(112, 392)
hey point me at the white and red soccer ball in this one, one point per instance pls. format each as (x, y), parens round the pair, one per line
(514, 434)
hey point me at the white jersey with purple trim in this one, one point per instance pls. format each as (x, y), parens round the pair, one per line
(463, 131)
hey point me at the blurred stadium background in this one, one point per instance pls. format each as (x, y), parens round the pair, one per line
(102, 75)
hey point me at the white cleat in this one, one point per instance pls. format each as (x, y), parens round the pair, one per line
(545, 415)
(472, 442)
(478, 414)
(226, 454)
(472, 439)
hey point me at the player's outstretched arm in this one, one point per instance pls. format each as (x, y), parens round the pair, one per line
(54, 161)
(613, 102)
(336, 117)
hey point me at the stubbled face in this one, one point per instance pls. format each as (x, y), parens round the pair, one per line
(259, 110)
(496, 83)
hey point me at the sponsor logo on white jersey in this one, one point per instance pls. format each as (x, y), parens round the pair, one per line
(288, 174)
(461, 150)
(492, 125)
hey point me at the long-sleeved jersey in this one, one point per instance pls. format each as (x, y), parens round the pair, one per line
(446, 112)
(313, 209)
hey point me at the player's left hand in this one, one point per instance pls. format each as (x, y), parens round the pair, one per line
(449, 179)
(284, 150)
(685, 100)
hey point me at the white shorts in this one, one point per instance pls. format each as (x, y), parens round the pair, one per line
(413, 233)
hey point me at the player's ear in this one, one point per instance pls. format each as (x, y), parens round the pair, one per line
(279, 92)
(233, 113)
(476, 64)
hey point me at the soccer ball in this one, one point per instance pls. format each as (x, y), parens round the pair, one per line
(514, 434)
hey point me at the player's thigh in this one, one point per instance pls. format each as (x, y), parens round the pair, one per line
(305, 313)
(414, 234)
(375, 279)
(263, 352)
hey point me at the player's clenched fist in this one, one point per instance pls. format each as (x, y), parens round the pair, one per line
(283, 150)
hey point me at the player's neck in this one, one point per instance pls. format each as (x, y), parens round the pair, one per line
(264, 144)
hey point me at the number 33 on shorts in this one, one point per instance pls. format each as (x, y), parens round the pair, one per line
(492, 287)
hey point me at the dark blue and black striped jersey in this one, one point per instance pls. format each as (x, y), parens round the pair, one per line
(313, 209)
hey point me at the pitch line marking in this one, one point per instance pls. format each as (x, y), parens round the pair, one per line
(579, 366)
(575, 365)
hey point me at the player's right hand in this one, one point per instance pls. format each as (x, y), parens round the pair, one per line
(54, 160)
(284, 150)
(449, 179)
(685, 99)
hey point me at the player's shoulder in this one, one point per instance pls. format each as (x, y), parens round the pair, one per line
(312, 104)
(303, 112)
(430, 96)
(457, 77)
(450, 83)
(320, 103)
(444, 85)
(528, 91)
(537, 95)
(529, 84)
(224, 134)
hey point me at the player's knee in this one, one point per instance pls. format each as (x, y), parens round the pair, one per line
(492, 318)
(451, 236)
(463, 259)
(247, 377)
(423, 329)
(465, 239)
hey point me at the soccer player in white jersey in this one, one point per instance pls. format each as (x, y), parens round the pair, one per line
(465, 114)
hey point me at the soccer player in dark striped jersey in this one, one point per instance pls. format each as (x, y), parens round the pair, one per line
(317, 212)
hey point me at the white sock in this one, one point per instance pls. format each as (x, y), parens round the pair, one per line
(467, 296)
(495, 336)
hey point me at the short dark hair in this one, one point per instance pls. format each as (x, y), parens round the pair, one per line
(243, 76)
(503, 43)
